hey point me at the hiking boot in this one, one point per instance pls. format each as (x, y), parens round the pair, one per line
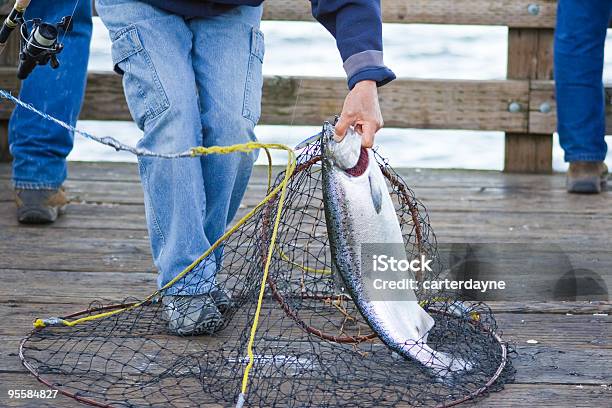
(39, 206)
(586, 177)
(191, 315)
(222, 300)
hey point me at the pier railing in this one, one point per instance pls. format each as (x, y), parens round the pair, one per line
(522, 106)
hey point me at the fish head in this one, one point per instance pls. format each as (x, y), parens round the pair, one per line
(344, 153)
(348, 160)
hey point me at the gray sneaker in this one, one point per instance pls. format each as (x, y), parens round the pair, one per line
(222, 299)
(39, 206)
(191, 315)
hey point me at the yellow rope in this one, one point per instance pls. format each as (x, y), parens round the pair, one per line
(289, 171)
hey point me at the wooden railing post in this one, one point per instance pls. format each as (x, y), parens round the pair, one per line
(530, 56)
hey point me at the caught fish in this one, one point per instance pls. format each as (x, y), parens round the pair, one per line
(359, 210)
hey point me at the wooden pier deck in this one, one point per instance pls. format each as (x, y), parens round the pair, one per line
(100, 250)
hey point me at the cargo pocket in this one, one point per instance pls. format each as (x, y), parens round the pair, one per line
(251, 108)
(144, 92)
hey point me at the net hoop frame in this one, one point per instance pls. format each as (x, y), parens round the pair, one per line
(395, 180)
(89, 401)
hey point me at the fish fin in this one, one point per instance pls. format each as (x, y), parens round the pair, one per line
(308, 141)
(376, 194)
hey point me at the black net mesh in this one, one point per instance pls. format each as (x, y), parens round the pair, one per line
(312, 347)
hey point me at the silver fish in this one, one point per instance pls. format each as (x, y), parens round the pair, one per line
(359, 210)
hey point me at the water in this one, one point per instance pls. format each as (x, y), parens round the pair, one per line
(416, 51)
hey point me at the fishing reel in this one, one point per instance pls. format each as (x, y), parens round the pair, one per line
(40, 46)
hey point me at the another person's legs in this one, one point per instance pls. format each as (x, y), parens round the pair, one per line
(39, 147)
(579, 52)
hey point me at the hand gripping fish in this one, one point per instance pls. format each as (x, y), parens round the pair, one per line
(359, 210)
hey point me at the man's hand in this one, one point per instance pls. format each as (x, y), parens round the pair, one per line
(361, 110)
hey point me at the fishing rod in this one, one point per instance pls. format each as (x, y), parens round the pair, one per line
(38, 46)
(14, 18)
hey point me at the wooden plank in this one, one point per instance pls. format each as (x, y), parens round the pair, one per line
(107, 250)
(472, 218)
(86, 216)
(66, 287)
(92, 250)
(543, 108)
(529, 57)
(514, 13)
(560, 332)
(436, 198)
(565, 308)
(94, 216)
(102, 192)
(548, 396)
(513, 395)
(415, 177)
(553, 225)
(50, 288)
(427, 104)
(451, 225)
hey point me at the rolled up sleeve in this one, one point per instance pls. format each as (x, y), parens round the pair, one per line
(357, 28)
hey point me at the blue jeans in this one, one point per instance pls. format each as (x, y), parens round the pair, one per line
(189, 82)
(579, 55)
(40, 147)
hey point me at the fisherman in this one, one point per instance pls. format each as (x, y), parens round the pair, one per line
(192, 75)
(39, 147)
(581, 101)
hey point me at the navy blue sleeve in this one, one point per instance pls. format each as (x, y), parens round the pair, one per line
(357, 27)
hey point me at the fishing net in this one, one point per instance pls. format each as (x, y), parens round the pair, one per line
(311, 346)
